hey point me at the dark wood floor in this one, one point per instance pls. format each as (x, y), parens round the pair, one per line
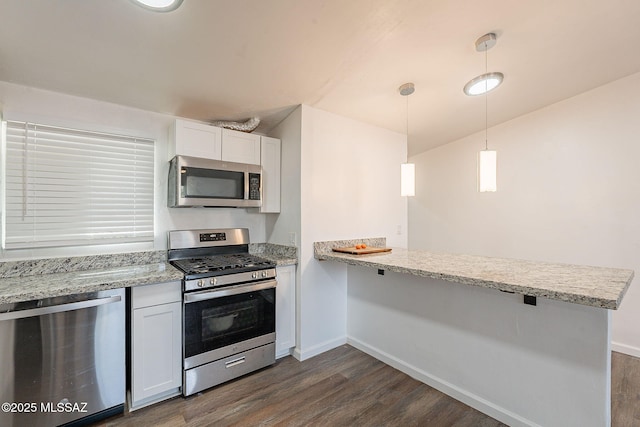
(345, 387)
(625, 390)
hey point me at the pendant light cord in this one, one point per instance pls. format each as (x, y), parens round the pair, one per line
(407, 118)
(486, 97)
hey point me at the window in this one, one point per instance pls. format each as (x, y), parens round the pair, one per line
(68, 187)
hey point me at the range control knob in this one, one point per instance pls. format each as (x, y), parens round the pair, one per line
(200, 283)
(213, 281)
(264, 274)
(254, 276)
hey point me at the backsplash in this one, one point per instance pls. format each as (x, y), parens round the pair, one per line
(95, 262)
(273, 249)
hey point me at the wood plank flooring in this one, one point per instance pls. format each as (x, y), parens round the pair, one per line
(345, 387)
(625, 390)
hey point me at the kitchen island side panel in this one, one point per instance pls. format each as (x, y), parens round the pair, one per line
(545, 365)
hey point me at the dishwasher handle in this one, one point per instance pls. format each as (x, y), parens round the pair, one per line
(21, 314)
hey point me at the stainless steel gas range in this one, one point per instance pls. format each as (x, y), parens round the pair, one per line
(229, 306)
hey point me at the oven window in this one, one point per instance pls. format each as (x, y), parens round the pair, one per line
(230, 319)
(218, 322)
(213, 184)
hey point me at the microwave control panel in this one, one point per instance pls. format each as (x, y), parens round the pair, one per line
(254, 186)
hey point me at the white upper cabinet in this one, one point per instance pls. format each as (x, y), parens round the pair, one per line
(270, 161)
(240, 147)
(188, 138)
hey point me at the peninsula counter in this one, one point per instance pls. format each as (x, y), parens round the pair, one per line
(458, 323)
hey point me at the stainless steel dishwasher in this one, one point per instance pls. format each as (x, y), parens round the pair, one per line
(62, 359)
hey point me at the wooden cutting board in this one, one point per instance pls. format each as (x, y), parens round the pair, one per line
(353, 251)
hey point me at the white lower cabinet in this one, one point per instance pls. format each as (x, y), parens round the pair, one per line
(285, 310)
(156, 343)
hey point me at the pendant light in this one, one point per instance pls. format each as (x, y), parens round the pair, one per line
(407, 170)
(488, 81)
(482, 85)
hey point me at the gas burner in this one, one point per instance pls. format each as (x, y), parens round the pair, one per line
(221, 264)
(215, 262)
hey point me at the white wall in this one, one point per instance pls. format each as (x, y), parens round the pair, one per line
(70, 111)
(568, 191)
(284, 228)
(350, 188)
(547, 365)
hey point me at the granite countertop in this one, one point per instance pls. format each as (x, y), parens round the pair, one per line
(592, 286)
(280, 254)
(278, 259)
(25, 288)
(36, 279)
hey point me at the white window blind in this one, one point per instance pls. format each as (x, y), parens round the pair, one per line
(68, 187)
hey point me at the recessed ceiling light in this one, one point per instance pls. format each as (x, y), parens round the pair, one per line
(159, 5)
(483, 84)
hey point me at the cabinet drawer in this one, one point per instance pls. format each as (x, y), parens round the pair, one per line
(160, 293)
(214, 373)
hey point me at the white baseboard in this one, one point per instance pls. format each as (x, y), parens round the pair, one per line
(307, 353)
(285, 353)
(152, 400)
(296, 354)
(476, 402)
(626, 349)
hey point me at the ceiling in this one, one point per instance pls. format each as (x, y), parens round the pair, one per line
(233, 59)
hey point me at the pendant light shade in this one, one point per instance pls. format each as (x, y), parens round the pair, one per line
(407, 179)
(159, 5)
(483, 84)
(487, 168)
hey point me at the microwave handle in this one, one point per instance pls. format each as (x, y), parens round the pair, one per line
(246, 185)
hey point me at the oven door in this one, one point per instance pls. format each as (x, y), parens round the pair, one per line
(222, 322)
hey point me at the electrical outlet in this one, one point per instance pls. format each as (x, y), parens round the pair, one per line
(292, 238)
(399, 230)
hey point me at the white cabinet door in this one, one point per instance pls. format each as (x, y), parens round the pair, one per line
(285, 310)
(156, 350)
(270, 161)
(240, 147)
(196, 140)
(156, 343)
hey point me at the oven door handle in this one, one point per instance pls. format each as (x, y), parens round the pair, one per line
(225, 292)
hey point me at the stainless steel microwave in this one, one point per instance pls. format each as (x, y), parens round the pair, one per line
(197, 182)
